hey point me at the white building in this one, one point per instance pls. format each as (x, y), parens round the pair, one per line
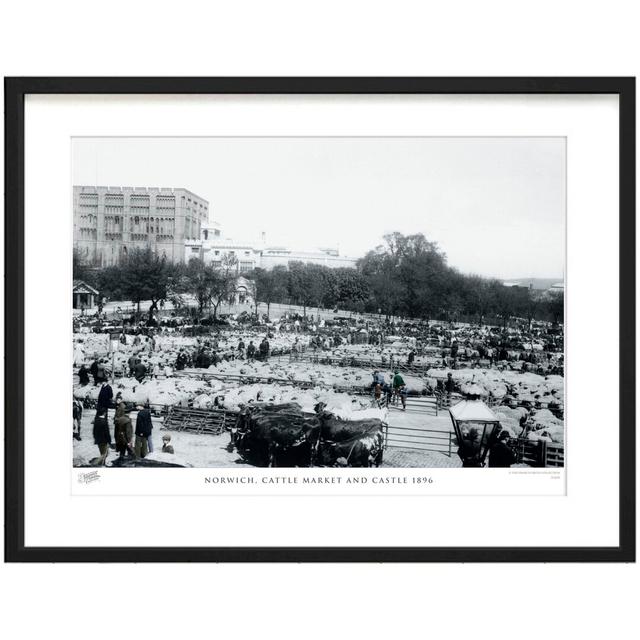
(214, 251)
(275, 256)
(213, 247)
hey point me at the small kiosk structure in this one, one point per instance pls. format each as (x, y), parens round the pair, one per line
(476, 428)
(84, 295)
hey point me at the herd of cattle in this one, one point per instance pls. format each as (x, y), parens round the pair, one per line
(282, 435)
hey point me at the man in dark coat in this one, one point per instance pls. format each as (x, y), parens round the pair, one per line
(83, 375)
(500, 454)
(181, 361)
(132, 362)
(101, 373)
(144, 427)
(139, 372)
(104, 397)
(123, 432)
(101, 436)
(93, 370)
(264, 349)
(449, 384)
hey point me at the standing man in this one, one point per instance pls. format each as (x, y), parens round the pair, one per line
(132, 362)
(139, 371)
(264, 349)
(449, 385)
(400, 388)
(489, 354)
(144, 427)
(93, 370)
(83, 375)
(101, 436)
(101, 375)
(251, 351)
(500, 454)
(104, 397)
(123, 432)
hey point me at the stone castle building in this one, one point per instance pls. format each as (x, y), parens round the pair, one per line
(108, 222)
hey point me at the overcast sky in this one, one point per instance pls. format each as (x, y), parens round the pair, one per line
(496, 206)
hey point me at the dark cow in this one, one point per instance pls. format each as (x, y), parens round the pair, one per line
(349, 443)
(276, 435)
(284, 436)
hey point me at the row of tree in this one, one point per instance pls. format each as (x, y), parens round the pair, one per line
(406, 276)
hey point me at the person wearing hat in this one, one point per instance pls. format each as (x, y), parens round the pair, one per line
(83, 375)
(400, 388)
(139, 371)
(144, 427)
(101, 436)
(500, 454)
(105, 396)
(123, 431)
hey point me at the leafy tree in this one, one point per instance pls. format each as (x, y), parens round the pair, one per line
(479, 297)
(199, 280)
(223, 283)
(383, 281)
(351, 288)
(144, 276)
(269, 286)
(529, 304)
(108, 282)
(508, 301)
(555, 306)
(305, 284)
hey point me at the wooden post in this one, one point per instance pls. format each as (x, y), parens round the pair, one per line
(543, 453)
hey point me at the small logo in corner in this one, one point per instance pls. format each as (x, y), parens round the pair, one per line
(88, 477)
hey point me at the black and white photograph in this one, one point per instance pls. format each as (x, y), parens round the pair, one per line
(246, 302)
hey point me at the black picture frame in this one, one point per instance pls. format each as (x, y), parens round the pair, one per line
(15, 91)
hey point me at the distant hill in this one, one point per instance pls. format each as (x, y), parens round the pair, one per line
(538, 283)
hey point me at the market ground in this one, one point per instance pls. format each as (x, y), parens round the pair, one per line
(207, 451)
(276, 310)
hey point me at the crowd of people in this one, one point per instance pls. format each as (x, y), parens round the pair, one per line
(120, 435)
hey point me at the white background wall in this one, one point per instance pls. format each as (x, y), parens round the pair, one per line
(334, 37)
